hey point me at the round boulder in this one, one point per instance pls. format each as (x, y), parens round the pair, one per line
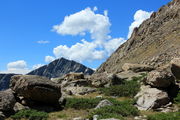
(36, 88)
(160, 78)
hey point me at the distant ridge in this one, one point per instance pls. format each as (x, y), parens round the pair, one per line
(60, 67)
(4, 80)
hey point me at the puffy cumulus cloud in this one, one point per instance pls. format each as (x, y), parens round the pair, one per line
(43, 42)
(37, 66)
(85, 21)
(18, 67)
(80, 51)
(102, 45)
(49, 59)
(111, 45)
(139, 17)
(20, 64)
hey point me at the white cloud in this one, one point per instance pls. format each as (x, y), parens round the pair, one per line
(43, 42)
(113, 44)
(139, 17)
(20, 64)
(49, 59)
(37, 66)
(79, 52)
(18, 67)
(85, 21)
(102, 45)
(80, 23)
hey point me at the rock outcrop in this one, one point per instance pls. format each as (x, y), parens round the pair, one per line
(60, 67)
(104, 80)
(136, 67)
(7, 100)
(36, 88)
(155, 42)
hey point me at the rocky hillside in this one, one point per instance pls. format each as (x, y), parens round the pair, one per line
(4, 81)
(155, 42)
(61, 67)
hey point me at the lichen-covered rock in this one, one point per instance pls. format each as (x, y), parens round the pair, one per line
(160, 78)
(151, 98)
(36, 88)
(136, 67)
(175, 67)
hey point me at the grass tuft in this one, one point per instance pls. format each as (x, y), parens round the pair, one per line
(30, 115)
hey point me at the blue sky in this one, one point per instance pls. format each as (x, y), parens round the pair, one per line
(32, 30)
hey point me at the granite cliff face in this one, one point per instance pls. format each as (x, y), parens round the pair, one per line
(61, 67)
(154, 43)
(5, 80)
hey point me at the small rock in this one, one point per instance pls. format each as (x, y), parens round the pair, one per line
(78, 118)
(2, 116)
(18, 107)
(104, 103)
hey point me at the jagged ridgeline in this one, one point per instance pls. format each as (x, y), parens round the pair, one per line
(61, 67)
(155, 42)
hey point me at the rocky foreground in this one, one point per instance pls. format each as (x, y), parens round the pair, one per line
(157, 90)
(141, 81)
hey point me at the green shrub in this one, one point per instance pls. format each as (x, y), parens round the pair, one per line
(62, 116)
(119, 109)
(177, 98)
(127, 89)
(165, 116)
(30, 114)
(82, 103)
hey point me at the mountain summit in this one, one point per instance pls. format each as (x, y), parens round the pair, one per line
(60, 67)
(155, 42)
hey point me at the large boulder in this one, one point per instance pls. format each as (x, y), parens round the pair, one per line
(36, 88)
(104, 79)
(7, 100)
(151, 98)
(160, 78)
(175, 67)
(136, 67)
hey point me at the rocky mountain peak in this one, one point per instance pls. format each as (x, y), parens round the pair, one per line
(60, 67)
